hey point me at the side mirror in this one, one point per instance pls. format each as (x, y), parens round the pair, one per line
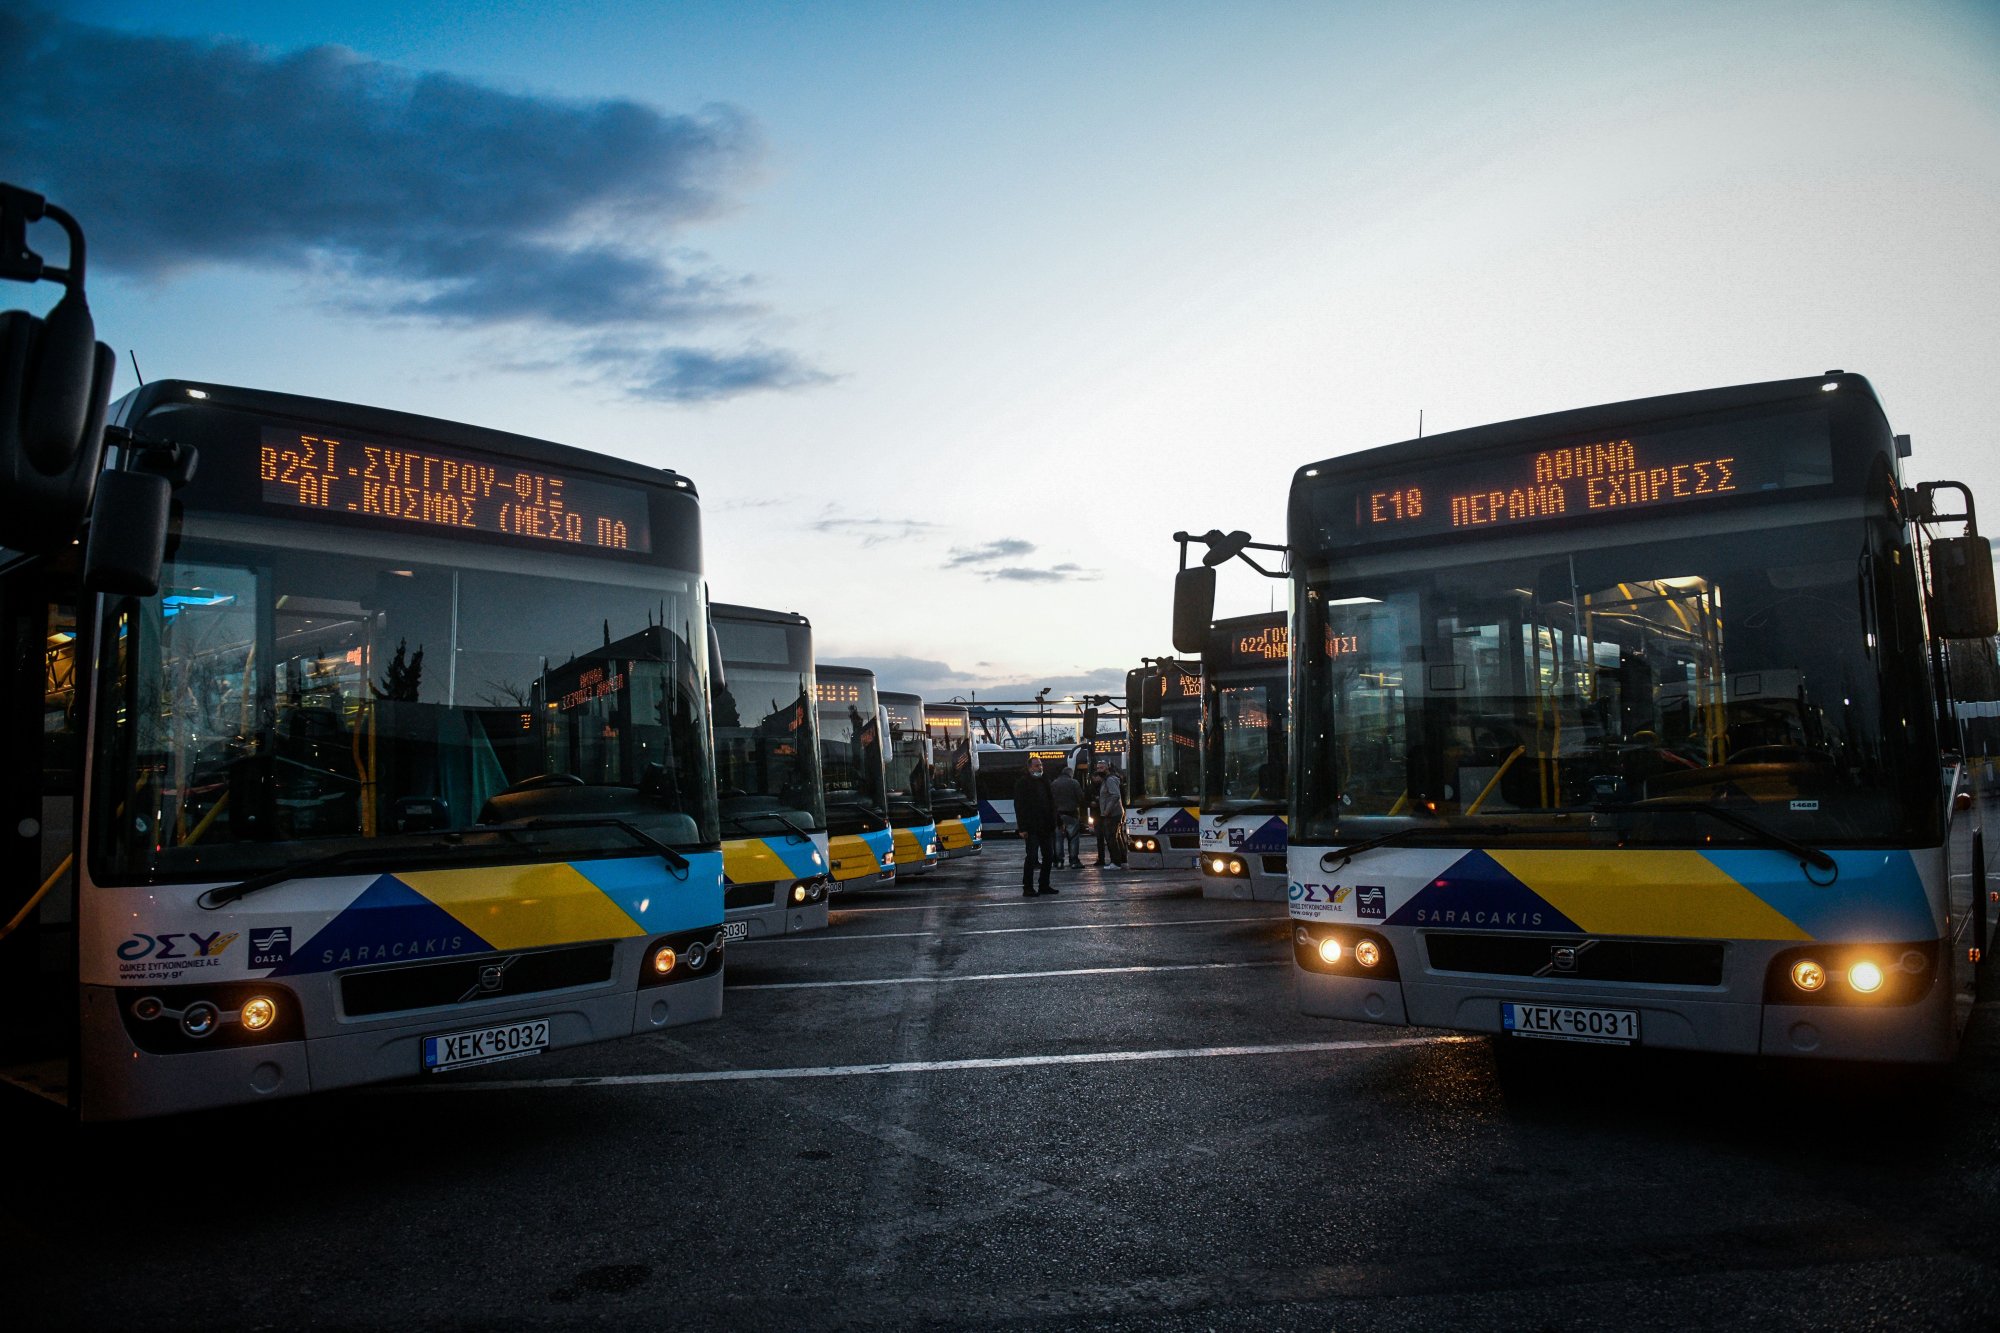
(1152, 694)
(128, 534)
(1962, 605)
(1194, 608)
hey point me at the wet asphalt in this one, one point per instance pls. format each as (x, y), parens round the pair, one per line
(961, 1108)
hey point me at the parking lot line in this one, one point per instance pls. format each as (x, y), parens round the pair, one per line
(828, 937)
(1006, 976)
(932, 1066)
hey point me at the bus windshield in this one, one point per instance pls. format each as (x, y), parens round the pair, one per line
(1248, 726)
(909, 759)
(850, 749)
(951, 761)
(766, 729)
(1169, 750)
(1613, 689)
(296, 691)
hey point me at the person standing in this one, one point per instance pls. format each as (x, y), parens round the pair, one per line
(1090, 794)
(1068, 794)
(1111, 817)
(1035, 816)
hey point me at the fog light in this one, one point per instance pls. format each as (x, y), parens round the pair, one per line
(798, 893)
(1367, 953)
(663, 959)
(259, 1012)
(697, 956)
(1808, 975)
(1329, 951)
(199, 1019)
(1865, 977)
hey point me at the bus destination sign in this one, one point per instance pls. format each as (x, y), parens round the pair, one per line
(1271, 644)
(427, 488)
(1610, 475)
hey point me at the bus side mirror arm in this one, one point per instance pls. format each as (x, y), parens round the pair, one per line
(130, 514)
(1194, 589)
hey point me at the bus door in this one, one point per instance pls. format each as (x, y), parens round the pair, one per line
(42, 727)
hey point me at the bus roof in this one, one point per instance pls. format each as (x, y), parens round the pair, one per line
(264, 402)
(731, 611)
(851, 673)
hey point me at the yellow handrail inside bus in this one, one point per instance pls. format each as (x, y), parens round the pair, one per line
(54, 879)
(1494, 781)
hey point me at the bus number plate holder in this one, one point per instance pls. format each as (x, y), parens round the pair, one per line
(735, 930)
(1556, 1022)
(483, 1046)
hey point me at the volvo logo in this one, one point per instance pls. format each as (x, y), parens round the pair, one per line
(492, 976)
(1563, 958)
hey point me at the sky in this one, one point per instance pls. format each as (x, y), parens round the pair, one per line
(955, 312)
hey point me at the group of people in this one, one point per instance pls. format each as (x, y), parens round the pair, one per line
(1051, 811)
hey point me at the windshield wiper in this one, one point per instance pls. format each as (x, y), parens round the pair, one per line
(652, 844)
(1404, 834)
(743, 822)
(307, 866)
(1770, 837)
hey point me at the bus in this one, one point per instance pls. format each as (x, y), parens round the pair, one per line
(1619, 725)
(768, 790)
(954, 780)
(1245, 735)
(405, 767)
(909, 755)
(1000, 769)
(1163, 768)
(862, 850)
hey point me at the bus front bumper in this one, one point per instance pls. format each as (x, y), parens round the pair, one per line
(769, 922)
(1916, 1033)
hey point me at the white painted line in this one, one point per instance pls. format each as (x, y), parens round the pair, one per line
(929, 1066)
(1006, 976)
(827, 937)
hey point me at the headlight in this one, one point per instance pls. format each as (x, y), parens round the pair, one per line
(1865, 977)
(664, 959)
(259, 1012)
(1808, 975)
(1367, 953)
(200, 1018)
(1217, 865)
(799, 892)
(1329, 951)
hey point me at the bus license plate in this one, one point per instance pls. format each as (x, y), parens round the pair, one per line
(735, 930)
(483, 1046)
(1612, 1027)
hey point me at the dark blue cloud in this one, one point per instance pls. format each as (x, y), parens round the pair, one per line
(421, 194)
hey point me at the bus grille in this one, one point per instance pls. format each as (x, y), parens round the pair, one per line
(462, 980)
(749, 895)
(1659, 962)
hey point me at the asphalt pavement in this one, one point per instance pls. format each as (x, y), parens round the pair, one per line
(959, 1107)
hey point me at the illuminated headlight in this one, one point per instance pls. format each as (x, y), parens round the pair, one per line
(259, 1012)
(1808, 975)
(1237, 867)
(799, 892)
(930, 849)
(664, 959)
(1329, 951)
(1865, 977)
(200, 1019)
(1218, 865)
(1367, 953)
(888, 859)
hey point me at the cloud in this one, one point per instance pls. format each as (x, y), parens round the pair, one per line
(404, 193)
(1063, 573)
(874, 531)
(1005, 549)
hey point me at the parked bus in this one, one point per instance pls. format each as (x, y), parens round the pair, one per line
(1163, 767)
(1000, 769)
(405, 767)
(773, 809)
(1618, 725)
(862, 850)
(1245, 734)
(954, 780)
(909, 755)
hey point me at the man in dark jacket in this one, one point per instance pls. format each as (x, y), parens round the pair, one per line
(1035, 816)
(1069, 819)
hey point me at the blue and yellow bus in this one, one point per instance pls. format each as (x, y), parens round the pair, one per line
(954, 780)
(405, 767)
(1163, 764)
(854, 769)
(768, 791)
(1622, 725)
(1245, 734)
(909, 755)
